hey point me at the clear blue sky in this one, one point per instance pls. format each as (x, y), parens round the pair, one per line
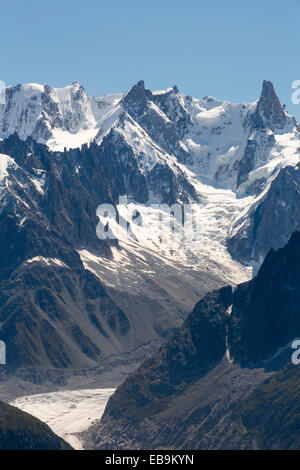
(213, 47)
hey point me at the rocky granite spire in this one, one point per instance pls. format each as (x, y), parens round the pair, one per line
(135, 100)
(269, 112)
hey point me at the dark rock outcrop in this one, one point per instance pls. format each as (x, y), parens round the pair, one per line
(269, 113)
(21, 431)
(270, 222)
(191, 395)
(266, 310)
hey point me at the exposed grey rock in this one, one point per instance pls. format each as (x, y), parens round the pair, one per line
(271, 221)
(269, 113)
(195, 392)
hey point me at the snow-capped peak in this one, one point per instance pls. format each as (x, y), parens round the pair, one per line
(60, 117)
(220, 142)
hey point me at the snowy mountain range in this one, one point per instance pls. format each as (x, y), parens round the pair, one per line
(64, 153)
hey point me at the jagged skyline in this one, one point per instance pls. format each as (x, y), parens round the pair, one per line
(206, 48)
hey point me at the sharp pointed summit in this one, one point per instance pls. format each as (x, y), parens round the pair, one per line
(269, 111)
(137, 97)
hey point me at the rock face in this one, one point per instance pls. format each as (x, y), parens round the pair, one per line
(272, 218)
(21, 431)
(54, 312)
(196, 349)
(141, 106)
(269, 222)
(269, 113)
(196, 391)
(265, 312)
(275, 426)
